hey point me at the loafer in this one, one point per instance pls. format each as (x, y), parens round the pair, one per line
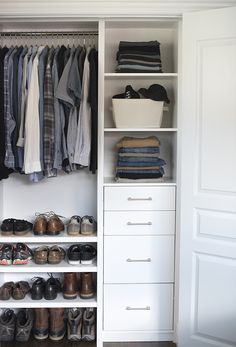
(54, 225)
(22, 254)
(52, 288)
(88, 225)
(74, 254)
(20, 289)
(7, 325)
(24, 324)
(6, 254)
(74, 225)
(6, 291)
(7, 226)
(41, 255)
(37, 290)
(55, 255)
(88, 254)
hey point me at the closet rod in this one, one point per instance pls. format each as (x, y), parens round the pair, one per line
(48, 33)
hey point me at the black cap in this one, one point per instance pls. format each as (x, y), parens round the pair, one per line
(155, 92)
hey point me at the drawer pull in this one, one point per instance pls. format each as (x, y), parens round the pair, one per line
(131, 223)
(148, 260)
(139, 199)
(147, 308)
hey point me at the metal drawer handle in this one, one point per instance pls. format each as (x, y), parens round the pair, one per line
(148, 260)
(147, 308)
(131, 223)
(140, 199)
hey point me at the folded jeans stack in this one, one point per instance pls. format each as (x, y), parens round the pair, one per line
(138, 158)
(139, 57)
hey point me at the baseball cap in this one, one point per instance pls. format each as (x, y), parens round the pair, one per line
(155, 92)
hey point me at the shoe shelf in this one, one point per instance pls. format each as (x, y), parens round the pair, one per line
(63, 266)
(60, 301)
(115, 75)
(62, 238)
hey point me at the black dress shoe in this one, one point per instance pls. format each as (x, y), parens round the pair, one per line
(52, 288)
(38, 287)
(129, 93)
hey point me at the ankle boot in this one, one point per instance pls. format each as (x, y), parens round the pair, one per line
(70, 285)
(40, 328)
(86, 285)
(57, 323)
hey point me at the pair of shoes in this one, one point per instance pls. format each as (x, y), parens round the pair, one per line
(50, 255)
(81, 324)
(129, 93)
(16, 326)
(81, 254)
(47, 289)
(17, 255)
(49, 322)
(17, 290)
(84, 287)
(48, 223)
(15, 226)
(84, 226)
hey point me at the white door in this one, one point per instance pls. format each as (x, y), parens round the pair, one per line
(207, 312)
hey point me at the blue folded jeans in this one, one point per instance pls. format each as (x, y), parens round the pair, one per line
(141, 161)
(139, 150)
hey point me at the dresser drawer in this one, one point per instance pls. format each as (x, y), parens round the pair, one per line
(138, 307)
(138, 259)
(139, 198)
(139, 223)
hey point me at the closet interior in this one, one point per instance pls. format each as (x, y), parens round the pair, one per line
(67, 194)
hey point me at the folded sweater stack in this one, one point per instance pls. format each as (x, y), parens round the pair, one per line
(139, 57)
(138, 158)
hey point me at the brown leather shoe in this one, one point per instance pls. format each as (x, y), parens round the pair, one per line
(41, 255)
(6, 290)
(40, 225)
(20, 289)
(41, 323)
(55, 255)
(70, 286)
(55, 225)
(57, 323)
(86, 285)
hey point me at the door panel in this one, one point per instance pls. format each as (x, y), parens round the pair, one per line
(207, 305)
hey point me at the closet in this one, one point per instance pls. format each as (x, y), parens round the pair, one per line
(165, 250)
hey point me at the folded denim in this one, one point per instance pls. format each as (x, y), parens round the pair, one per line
(136, 176)
(139, 67)
(138, 155)
(139, 62)
(150, 46)
(142, 57)
(150, 141)
(150, 150)
(140, 171)
(140, 161)
(125, 70)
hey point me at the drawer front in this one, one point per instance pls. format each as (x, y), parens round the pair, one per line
(139, 198)
(138, 307)
(138, 259)
(139, 223)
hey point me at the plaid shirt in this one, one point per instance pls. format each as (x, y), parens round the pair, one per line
(49, 118)
(8, 118)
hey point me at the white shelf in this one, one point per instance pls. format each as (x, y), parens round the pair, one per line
(110, 181)
(58, 302)
(62, 267)
(116, 130)
(111, 75)
(61, 238)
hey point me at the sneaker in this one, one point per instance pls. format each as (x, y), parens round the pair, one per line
(74, 225)
(22, 227)
(7, 325)
(129, 93)
(22, 254)
(88, 329)
(74, 254)
(52, 288)
(6, 251)
(74, 324)
(7, 226)
(88, 254)
(41, 255)
(24, 324)
(88, 225)
(38, 287)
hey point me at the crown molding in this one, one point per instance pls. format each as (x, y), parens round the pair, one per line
(106, 8)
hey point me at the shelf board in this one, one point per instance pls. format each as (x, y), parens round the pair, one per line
(110, 181)
(62, 267)
(58, 302)
(140, 130)
(111, 75)
(62, 238)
